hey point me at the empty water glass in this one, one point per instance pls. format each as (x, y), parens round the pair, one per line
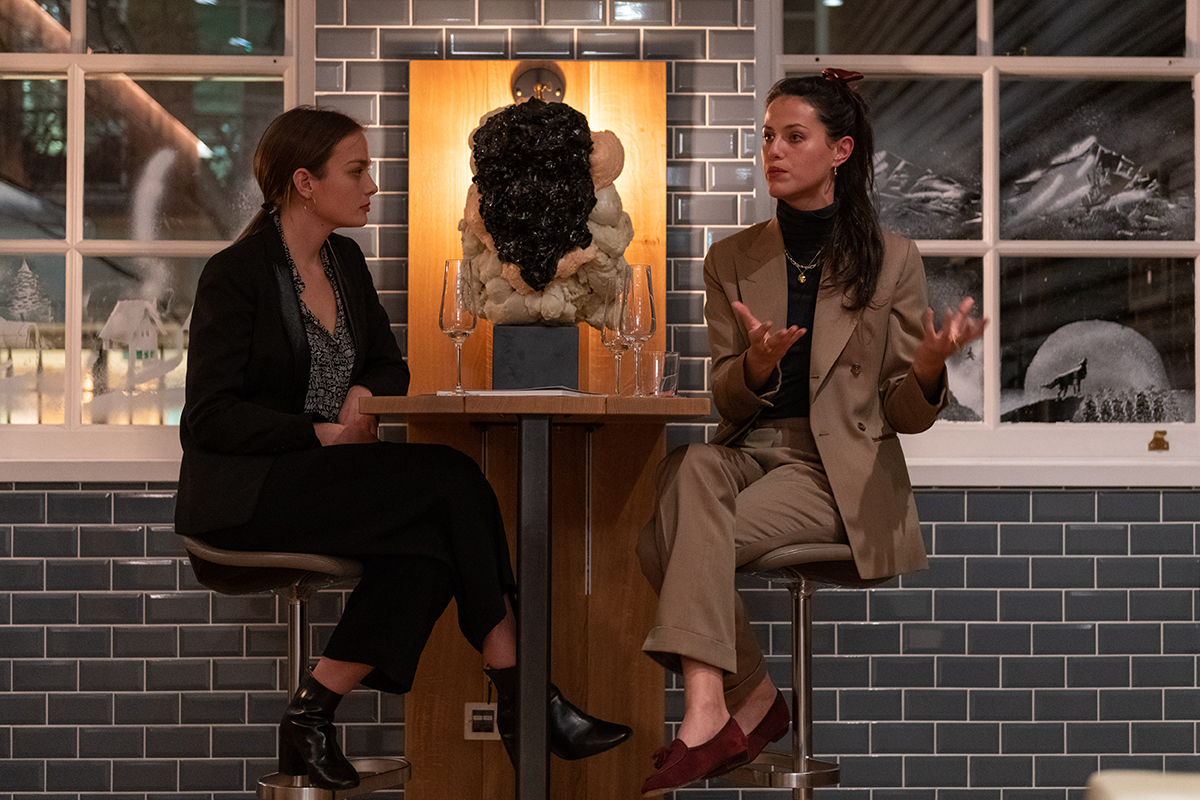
(660, 372)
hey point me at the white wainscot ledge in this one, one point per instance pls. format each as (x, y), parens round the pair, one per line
(105, 454)
(951, 454)
(1053, 454)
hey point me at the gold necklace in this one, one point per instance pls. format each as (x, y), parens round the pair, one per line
(803, 268)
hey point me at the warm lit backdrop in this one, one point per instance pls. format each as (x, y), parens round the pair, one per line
(447, 100)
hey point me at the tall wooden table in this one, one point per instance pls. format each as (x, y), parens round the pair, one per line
(584, 481)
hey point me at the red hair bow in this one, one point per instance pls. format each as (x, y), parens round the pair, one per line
(843, 75)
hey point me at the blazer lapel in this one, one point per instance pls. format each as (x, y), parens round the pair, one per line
(762, 277)
(832, 326)
(349, 305)
(289, 311)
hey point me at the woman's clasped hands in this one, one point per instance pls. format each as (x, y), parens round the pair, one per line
(352, 427)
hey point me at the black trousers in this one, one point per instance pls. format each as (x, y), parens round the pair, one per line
(423, 520)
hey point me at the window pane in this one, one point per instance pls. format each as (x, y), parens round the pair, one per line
(134, 338)
(904, 27)
(950, 280)
(172, 159)
(928, 156)
(32, 343)
(33, 158)
(1096, 160)
(35, 27)
(1089, 27)
(200, 27)
(1097, 340)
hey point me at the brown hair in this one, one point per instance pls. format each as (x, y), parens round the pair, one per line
(301, 138)
(855, 248)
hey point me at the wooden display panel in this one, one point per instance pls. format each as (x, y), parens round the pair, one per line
(602, 609)
(446, 101)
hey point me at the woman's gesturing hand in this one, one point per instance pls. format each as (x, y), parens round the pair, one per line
(958, 330)
(766, 348)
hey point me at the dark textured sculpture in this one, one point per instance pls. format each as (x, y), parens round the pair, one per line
(533, 171)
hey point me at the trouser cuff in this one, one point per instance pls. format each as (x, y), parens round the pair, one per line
(668, 646)
(739, 686)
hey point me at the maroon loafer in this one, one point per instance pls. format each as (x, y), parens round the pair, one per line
(770, 728)
(678, 765)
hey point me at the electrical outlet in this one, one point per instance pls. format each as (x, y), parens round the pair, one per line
(479, 721)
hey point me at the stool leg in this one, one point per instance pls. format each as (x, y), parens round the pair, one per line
(802, 744)
(297, 655)
(297, 666)
(799, 770)
(291, 781)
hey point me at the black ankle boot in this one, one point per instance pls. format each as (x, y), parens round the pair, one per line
(308, 741)
(574, 733)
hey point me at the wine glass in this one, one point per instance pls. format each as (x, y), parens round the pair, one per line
(638, 322)
(611, 333)
(457, 317)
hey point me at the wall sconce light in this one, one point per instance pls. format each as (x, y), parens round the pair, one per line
(541, 79)
(831, 3)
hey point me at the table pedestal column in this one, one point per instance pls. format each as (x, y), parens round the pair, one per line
(602, 494)
(533, 608)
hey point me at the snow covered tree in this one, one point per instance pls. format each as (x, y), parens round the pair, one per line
(25, 298)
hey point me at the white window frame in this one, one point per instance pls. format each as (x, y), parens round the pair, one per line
(75, 451)
(989, 453)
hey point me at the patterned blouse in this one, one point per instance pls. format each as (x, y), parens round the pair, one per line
(332, 354)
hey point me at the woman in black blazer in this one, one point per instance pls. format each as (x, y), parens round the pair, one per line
(287, 334)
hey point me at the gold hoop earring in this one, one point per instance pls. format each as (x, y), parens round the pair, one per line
(307, 200)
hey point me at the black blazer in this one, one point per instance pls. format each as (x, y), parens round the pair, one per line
(247, 373)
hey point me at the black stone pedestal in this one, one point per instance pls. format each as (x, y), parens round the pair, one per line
(535, 356)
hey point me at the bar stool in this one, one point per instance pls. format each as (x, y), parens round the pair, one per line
(803, 568)
(295, 577)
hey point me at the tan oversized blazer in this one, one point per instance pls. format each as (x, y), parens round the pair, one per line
(862, 390)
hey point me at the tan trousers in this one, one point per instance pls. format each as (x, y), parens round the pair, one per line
(720, 507)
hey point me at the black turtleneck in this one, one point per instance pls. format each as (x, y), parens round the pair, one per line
(804, 234)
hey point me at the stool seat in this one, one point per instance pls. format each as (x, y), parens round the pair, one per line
(802, 568)
(819, 562)
(295, 577)
(1137, 784)
(250, 572)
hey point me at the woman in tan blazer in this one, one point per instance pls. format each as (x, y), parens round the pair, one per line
(807, 448)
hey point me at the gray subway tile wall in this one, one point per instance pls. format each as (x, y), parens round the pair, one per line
(548, 43)
(674, 45)
(122, 675)
(330, 12)
(376, 12)
(607, 44)
(509, 12)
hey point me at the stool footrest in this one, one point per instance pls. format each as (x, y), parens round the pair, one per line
(374, 774)
(775, 770)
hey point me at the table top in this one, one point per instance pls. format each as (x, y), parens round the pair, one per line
(582, 409)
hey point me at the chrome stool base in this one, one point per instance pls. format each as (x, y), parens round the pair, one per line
(295, 577)
(374, 774)
(802, 568)
(774, 771)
